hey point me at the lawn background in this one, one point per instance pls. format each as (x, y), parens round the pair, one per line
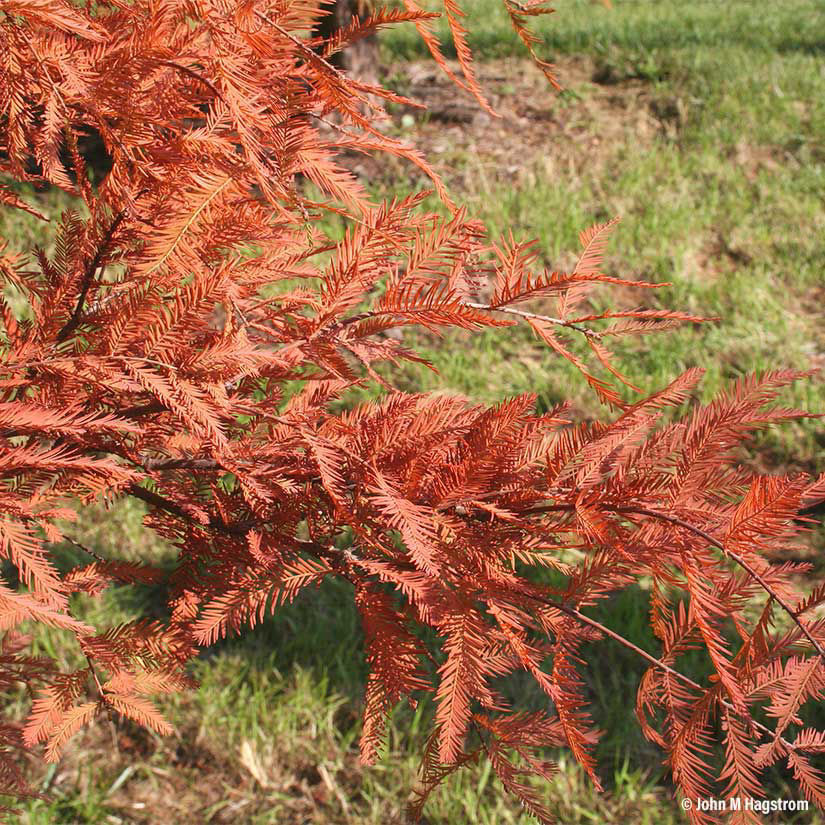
(702, 125)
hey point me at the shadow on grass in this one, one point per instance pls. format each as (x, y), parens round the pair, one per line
(283, 700)
(320, 631)
(321, 634)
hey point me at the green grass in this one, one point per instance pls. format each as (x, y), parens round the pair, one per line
(274, 727)
(636, 27)
(725, 201)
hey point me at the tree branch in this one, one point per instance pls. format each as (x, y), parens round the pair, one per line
(588, 333)
(237, 529)
(698, 531)
(71, 325)
(181, 464)
(648, 657)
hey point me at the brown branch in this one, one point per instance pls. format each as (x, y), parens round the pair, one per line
(698, 531)
(584, 619)
(363, 316)
(71, 325)
(180, 464)
(314, 56)
(194, 74)
(648, 657)
(142, 409)
(89, 660)
(236, 529)
(588, 333)
(85, 549)
(737, 558)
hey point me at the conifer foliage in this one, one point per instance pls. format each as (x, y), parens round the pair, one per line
(189, 342)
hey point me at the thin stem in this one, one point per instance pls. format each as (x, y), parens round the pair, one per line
(180, 464)
(643, 511)
(648, 657)
(85, 549)
(348, 82)
(237, 529)
(522, 313)
(698, 531)
(194, 74)
(88, 275)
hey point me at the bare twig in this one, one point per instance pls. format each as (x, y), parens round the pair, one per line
(698, 531)
(522, 313)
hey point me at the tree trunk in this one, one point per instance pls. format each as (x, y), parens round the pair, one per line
(361, 57)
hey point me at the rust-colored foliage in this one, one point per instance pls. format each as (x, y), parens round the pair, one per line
(159, 349)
